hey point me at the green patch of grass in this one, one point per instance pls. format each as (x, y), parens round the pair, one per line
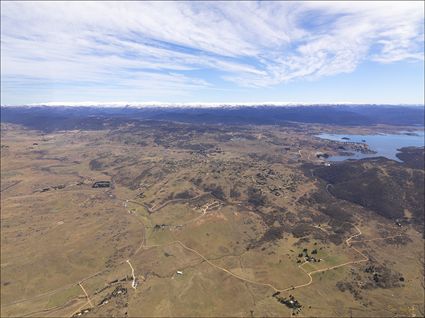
(63, 296)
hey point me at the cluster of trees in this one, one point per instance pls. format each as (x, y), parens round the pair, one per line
(255, 197)
(95, 165)
(234, 194)
(216, 191)
(183, 195)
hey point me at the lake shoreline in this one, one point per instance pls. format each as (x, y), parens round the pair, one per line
(375, 145)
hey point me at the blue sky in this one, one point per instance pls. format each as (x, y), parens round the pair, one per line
(318, 52)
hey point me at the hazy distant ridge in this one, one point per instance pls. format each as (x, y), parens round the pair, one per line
(63, 117)
(196, 104)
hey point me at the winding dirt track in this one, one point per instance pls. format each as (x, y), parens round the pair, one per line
(309, 274)
(87, 303)
(347, 241)
(365, 259)
(223, 269)
(133, 283)
(88, 298)
(53, 291)
(154, 208)
(143, 245)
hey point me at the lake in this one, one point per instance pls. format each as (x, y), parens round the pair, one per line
(385, 145)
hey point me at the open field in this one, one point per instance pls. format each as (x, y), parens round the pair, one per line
(203, 220)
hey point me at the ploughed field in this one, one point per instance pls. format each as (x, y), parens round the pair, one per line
(153, 218)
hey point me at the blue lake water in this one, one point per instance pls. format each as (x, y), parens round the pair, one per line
(385, 145)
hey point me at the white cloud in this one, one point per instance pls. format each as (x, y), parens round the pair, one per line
(163, 45)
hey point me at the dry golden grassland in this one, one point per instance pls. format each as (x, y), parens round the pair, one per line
(205, 233)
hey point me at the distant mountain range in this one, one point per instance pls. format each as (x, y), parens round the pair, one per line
(50, 117)
(199, 104)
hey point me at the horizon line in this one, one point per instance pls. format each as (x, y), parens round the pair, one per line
(201, 104)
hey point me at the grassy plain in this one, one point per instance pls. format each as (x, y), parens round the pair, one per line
(213, 222)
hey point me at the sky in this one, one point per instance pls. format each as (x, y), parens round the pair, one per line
(216, 52)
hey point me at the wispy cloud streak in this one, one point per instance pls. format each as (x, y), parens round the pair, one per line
(168, 46)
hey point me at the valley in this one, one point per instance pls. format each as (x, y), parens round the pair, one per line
(207, 220)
